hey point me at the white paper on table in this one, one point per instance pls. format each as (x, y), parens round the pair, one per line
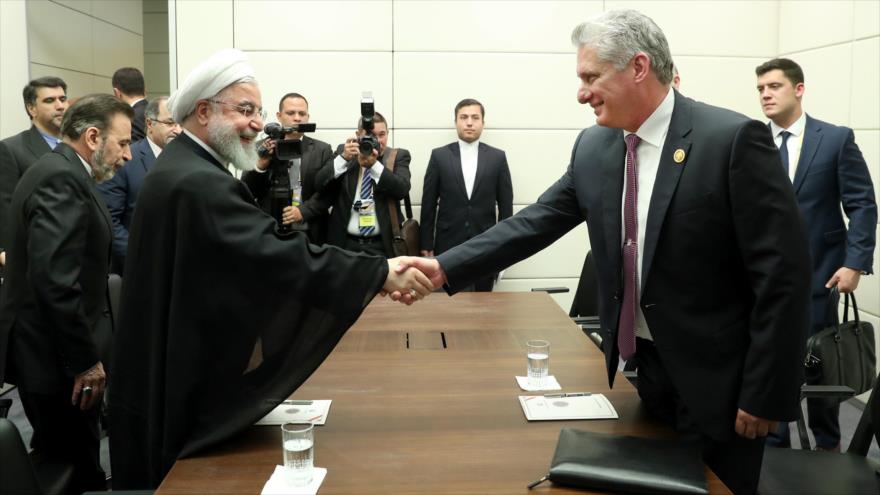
(550, 383)
(278, 484)
(315, 413)
(541, 408)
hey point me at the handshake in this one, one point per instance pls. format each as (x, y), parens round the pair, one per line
(411, 279)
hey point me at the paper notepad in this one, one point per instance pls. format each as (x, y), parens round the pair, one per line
(541, 408)
(286, 412)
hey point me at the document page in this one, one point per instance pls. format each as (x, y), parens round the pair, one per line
(298, 411)
(551, 407)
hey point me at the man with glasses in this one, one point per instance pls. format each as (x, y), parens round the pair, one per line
(120, 193)
(235, 315)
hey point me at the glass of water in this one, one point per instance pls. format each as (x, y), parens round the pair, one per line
(538, 353)
(298, 441)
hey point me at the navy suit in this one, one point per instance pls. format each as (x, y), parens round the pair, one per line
(120, 193)
(724, 285)
(831, 173)
(459, 217)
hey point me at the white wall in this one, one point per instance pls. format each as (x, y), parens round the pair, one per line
(84, 41)
(156, 48)
(420, 58)
(13, 67)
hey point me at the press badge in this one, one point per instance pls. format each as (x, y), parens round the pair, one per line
(367, 212)
(296, 195)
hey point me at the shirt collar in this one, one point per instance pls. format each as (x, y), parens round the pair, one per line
(796, 129)
(153, 146)
(52, 141)
(466, 145)
(135, 102)
(653, 129)
(86, 165)
(207, 148)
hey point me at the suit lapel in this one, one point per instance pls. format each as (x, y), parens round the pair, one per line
(147, 157)
(612, 196)
(35, 143)
(809, 145)
(666, 182)
(482, 167)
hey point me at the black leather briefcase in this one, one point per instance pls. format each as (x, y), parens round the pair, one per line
(626, 464)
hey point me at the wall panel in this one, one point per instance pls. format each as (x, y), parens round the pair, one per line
(811, 24)
(865, 101)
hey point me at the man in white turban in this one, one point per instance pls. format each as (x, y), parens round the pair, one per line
(222, 317)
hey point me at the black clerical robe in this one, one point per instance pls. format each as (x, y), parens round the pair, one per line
(221, 319)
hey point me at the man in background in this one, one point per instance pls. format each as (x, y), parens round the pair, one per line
(364, 189)
(309, 209)
(121, 192)
(830, 178)
(470, 207)
(128, 86)
(45, 101)
(54, 332)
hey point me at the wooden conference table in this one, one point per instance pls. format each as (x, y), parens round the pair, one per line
(425, 402)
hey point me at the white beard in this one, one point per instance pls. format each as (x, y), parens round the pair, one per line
(226, 141)
(101, 171)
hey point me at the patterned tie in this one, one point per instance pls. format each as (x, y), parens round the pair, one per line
(783, 149)
(626, 331)
(366, 198)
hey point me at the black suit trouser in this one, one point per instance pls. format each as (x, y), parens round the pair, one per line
(64, 432)
(737, 462)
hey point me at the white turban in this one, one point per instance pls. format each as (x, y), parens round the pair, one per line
(207, 79)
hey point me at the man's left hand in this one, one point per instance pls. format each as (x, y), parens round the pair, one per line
(846, 279)
(753, 427)
(291, 214)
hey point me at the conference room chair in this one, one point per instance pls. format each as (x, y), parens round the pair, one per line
(23, 473)
(786, 471)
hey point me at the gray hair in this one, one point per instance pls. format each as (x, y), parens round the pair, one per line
(618, 35)
(152, 111)
(95, 110)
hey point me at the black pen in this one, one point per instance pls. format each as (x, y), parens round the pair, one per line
(569, 394)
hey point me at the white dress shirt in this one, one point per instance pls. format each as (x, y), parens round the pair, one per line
(155, 147)
(354, 220)
(469, 153)
(794, 143)
(653, 135)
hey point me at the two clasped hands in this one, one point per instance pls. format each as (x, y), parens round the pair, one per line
(411, 278)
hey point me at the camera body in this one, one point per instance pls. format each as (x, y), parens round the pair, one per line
(368, 142)
(280, 191)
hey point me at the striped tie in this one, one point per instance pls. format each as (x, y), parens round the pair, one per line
(366, 198)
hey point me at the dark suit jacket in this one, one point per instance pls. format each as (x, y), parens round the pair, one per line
(316, 155)
(832, 172)
(53, 309)
(341, 192)
(138, 122)
(725, 271)
(459, 218)
(17, 153)
(120, 193)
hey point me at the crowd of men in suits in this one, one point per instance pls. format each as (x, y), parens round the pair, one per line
(772, 237)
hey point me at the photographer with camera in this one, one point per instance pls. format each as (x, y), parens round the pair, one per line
(307, 210)
(360, 184)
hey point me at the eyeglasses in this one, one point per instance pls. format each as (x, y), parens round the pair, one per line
(248, 110)
(169, 122)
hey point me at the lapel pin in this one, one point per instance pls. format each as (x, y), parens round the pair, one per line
(678, 156)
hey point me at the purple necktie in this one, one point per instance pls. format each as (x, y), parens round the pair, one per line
(626, 331)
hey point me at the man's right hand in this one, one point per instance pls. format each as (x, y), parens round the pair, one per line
(350, 150)
(429, 266)
(263, 162)
(408, 285)
(90, 386)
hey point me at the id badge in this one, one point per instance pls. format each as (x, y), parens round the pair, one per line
(296, 196)
(367, 220)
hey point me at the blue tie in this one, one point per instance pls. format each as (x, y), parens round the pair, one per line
(783, 149)
(366, 197)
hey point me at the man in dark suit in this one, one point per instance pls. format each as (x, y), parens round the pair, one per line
(361, 188)
(469, 179)
(701, 257)
(829, 174)
(45, 100)
(54, 332)
(121, 192)
(128, 86)
(309, 210)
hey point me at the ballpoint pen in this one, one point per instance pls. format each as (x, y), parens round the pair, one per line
(569, 394)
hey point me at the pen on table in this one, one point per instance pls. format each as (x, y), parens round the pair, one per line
(569, 394)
